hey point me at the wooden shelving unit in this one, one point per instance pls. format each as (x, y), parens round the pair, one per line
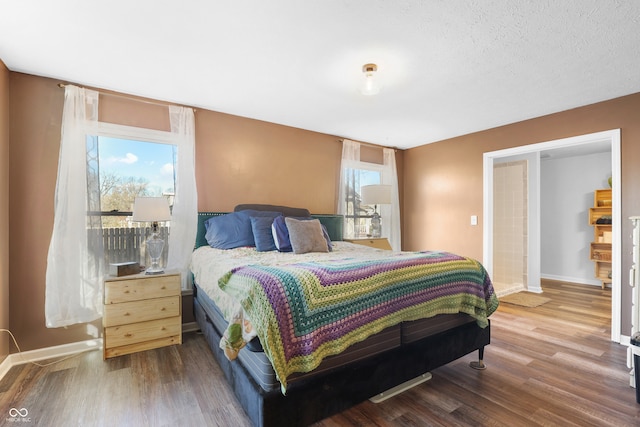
(600, 220)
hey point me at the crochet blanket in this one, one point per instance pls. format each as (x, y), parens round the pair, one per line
(305, 312)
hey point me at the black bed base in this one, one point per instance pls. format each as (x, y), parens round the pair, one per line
(318, 398)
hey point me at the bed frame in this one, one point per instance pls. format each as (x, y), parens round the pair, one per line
(316, 398)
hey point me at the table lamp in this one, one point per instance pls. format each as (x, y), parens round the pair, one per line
(376, 195)
(153, 210)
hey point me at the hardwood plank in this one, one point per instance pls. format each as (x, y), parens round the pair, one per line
(552, 365)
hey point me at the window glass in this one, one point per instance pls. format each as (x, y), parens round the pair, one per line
(358, 216)
(119, 170)
(128, 168)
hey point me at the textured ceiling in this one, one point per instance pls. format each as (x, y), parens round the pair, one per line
(446, 68)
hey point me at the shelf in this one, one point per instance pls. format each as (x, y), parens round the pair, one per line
(600, 252)
(602, 198)
(597, 213)
(603, 271)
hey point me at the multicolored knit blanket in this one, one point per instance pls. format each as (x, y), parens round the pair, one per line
(305, 312)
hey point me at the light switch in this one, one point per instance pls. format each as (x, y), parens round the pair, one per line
(474, 219)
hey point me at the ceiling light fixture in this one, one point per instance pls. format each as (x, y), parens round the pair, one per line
(370, 86)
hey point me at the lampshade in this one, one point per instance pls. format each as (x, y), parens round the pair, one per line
(376, 194)
(151, 209)
(370, 86)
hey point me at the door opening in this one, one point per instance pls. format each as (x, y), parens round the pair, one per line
(611, 137)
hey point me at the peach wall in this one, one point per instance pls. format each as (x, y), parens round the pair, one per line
(443, 181)
(4, 209)
(238, 160)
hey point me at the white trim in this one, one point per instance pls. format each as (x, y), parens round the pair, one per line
(16, 359)
(5, 366)
(580, 280)
(612, 136)
(131, 132)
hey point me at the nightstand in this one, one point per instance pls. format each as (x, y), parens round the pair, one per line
(374, 242)
(141, 312)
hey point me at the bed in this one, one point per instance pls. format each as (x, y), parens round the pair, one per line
(329, 374)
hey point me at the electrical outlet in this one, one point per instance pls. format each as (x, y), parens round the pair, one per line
(474, 219)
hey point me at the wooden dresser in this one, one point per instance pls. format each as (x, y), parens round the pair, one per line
(141, 312)
(374, 242)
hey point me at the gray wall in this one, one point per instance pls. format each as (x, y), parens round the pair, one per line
(567, 186)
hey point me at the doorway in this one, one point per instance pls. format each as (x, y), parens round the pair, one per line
(610, 138)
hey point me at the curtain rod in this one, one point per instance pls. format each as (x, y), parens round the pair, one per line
(132, 98)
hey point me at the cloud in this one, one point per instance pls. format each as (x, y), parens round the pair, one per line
(167, 169)
(128, 159)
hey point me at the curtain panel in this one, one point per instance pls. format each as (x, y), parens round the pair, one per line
(184, 216)
(350, 160)
(75, 266)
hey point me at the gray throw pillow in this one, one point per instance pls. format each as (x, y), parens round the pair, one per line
(306, 236)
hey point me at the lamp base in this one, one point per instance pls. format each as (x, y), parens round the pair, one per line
(376, 227)
(154, 249)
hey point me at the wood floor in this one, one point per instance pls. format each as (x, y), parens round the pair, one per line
(551, 365)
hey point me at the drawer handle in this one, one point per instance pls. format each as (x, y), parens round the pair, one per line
(127, 335)
(163, 309)
(164, 329)
(163, 288)
(126, 292)
(126, 314)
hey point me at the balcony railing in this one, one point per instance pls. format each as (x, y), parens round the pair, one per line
(128, 245)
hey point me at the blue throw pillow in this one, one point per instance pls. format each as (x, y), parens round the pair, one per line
(261, 228)
(281, 235)
(233, 230)
(228, 231)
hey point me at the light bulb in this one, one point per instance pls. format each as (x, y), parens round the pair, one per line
(370, 85)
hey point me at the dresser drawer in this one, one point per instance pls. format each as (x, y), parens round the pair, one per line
(116, 336)
(140, 311)
(139, 288)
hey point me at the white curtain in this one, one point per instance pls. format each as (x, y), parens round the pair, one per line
(391, 213)
(184, 217)
(74, 263)
(350, 160)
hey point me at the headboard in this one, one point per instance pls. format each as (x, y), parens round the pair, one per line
(333, 223)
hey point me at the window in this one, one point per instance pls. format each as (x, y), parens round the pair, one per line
(119, 169)
(355, 173)
(358, 216)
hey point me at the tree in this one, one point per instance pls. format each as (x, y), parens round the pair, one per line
(117, 193)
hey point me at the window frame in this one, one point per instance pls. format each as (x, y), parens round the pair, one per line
(129, 245)
(112, 130)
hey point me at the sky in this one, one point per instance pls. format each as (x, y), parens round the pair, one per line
(152, 161)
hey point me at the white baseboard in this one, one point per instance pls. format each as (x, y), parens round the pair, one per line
(580, 280)
(63, 350)
(48, 353)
